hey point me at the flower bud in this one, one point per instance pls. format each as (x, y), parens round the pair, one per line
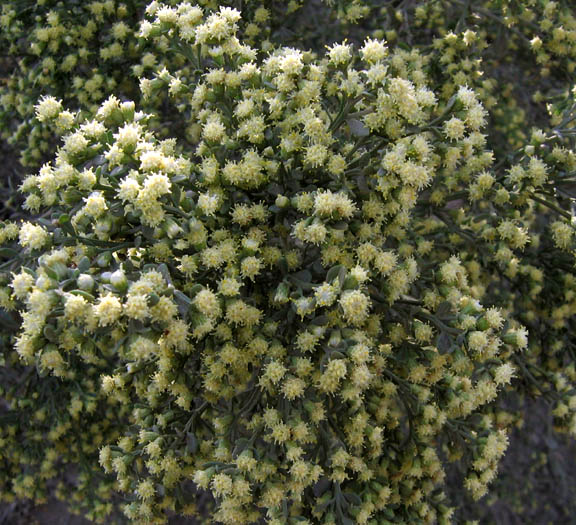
(281, 295)
(45, 283)
(104, 259)
(128, 109)
(85, 282)
(118, 280)
(282, 201)
(171, 228)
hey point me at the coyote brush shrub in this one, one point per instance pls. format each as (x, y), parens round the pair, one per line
(306, 307)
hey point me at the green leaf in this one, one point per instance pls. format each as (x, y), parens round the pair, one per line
(8, 252)
(163, 269)
(191, 443)
(283, 266)
(444, 343)
(357, 128)
(118, 170)
(321, 507)
(444, 309)
(197, 288)
(82, 293)
(152, 299)
(350, 283)
(322, 485)
(178, 178)
(99, 160)
(352, 498)
(333, 272)
(302, 279)
(50, 273)
(342, 276)
(376, 294)
(50, 333)
(183, 302)
(239, 447)
(183, 298)
(176, 193)
(117, 209)
(84, 264)
(42, 372)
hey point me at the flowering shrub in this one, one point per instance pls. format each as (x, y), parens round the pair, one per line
(308, 301)
(81, 52)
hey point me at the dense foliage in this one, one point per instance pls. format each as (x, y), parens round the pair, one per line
(297, 267)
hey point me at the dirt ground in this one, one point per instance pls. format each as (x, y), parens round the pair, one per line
(537, 480)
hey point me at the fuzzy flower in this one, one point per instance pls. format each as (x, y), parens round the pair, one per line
(518, 338)
(274, 371)
(306, 341)
(340, 54)
(315, 233)
(153, 161)
(293, 388)
(316, 155)
(95, 204)
(146, 489)
(325, 294)
(222, 484)
(355, 306)
(452, 271)
(334, 373)
(33, 237)
(562, 234)
(250, 267)
(22, 284)
(327, 203)
(108, 310)
(280, 433)
(504, 374)
(207, 303)
(76, 307)
(214, 130)
(136, 307)
(47, 109)
(209, 203)
(373, 51)
(454, 128)
(52, 360)
(291, 63)
(76, 143)
(494, 318)
(242, 314)
(229, 287)
(156, 185)
(304, 306)
(477, 340)
(128, 189)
